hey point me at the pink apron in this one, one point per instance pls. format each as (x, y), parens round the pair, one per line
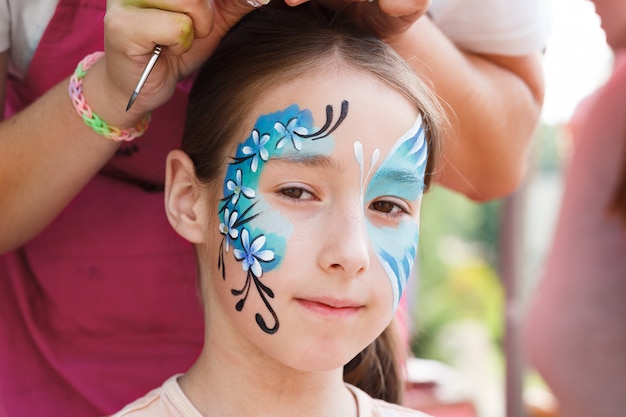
(102, 306)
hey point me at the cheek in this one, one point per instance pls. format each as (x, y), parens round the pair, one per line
(275, 227)
(396, 249)
(250, 225)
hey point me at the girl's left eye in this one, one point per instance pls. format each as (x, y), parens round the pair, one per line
(387, 207)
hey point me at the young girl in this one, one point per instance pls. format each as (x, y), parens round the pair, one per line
(299, 181)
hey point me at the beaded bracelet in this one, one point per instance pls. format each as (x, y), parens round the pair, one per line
(90, 118)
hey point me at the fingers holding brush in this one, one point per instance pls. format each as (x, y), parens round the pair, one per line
(187, 31)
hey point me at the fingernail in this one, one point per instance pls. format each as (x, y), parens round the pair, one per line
(257, 3)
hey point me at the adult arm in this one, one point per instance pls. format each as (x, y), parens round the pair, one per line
(493, 103)
(47, 154)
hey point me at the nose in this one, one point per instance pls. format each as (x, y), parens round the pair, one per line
(345, 247)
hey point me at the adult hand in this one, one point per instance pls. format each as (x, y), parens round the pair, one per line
(189, 31)
(386, 18)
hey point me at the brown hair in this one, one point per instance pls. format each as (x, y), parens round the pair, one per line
(379, 368)
(273, 45)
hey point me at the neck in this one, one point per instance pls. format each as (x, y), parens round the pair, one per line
(220, 384)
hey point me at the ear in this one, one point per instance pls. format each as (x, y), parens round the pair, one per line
(185, 205)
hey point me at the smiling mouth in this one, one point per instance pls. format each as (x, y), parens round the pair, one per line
(330, 308)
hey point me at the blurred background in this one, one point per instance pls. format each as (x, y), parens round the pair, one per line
(479, 263)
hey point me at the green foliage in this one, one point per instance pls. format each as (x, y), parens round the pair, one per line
(551, 146)
(456, 273)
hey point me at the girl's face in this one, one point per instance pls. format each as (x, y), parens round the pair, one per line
(318, 221)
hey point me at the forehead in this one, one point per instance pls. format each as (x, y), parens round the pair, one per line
(378, 115)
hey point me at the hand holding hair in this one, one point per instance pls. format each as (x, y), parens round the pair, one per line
(386, 18)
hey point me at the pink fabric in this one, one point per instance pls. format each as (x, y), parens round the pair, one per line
(575, 332)
(102, 306)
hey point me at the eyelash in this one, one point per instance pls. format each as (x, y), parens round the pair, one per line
(284, 192)
(395, 210)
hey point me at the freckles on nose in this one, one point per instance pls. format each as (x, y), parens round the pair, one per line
(357, 220)
(352, 229)
(351, 220)
(344, 236)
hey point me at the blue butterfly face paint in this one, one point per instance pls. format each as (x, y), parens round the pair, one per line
(401, 175)
(258, 234)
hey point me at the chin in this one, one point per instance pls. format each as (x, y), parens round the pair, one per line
(318, 358)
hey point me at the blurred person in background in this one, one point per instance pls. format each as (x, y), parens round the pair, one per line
(574, 332)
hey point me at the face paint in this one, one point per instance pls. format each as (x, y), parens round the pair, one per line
(401, 175)
(257, 233)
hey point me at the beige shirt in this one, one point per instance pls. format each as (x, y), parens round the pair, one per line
(170, 401)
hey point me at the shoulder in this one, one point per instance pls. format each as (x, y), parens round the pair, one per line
(501, 27)
(371, 407)
(165, 401)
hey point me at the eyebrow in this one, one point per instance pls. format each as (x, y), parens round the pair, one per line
(399, 175)
(310, 161)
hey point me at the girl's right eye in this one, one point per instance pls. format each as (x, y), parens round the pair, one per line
(296, 193)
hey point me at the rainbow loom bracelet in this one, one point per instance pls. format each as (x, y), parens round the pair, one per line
(89, 117)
